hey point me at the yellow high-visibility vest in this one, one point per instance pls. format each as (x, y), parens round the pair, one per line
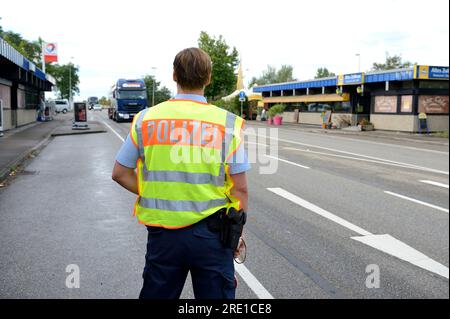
(182, 172)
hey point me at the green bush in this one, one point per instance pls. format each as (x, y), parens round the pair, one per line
(276, 110)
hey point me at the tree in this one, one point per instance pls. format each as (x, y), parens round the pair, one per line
(29, 49)
(104, 101)
(323, 73)
(161, 94)
(224, 60)
(392, 62)
(64, 74)
(272, 75)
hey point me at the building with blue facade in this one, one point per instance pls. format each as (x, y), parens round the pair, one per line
(391, 100)
(22, 87)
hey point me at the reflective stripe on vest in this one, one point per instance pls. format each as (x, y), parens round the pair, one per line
(184, 177)
(180, 205)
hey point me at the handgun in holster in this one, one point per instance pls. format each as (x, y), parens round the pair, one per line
(232, 225)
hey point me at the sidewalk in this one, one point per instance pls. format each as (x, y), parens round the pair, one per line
(394, 135)
(17, 145)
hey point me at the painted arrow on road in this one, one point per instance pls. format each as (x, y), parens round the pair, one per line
(384, 243)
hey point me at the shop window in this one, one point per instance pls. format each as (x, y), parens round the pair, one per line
(31, 99)
(337, 107)
(5, 96)
(21, 99)
(386, 104)
(443, 85)
(433, 104)
(342, 107)
(407, 104)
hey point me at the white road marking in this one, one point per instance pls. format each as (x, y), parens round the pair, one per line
(395, 247)
(286, 161)
(348, 157)
(245, 274)
(385, 243)
(392, 145)
(427, 169)
(319, 211)
(252, 282)
(380, 143)
(417, 201)
(114, 131)
(434, 183)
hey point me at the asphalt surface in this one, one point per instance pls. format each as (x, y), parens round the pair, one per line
(65, 209)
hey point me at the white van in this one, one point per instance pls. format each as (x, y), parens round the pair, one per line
(62, 106)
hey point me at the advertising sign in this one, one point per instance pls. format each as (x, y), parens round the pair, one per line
(425, 72)
(80, 116)
(386, 104)
(351, 79)
(50, 52)
(437, 104)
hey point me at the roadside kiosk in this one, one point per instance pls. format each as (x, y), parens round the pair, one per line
(80, 116)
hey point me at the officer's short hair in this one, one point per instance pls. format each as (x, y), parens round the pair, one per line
(192, 68)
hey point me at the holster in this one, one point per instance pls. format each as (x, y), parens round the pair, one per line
(230, 224)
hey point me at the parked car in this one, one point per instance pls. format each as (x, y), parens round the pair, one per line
(62, 106)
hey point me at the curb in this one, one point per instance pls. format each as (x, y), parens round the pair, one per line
(22, 158)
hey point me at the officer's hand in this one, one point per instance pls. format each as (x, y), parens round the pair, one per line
(240, 248)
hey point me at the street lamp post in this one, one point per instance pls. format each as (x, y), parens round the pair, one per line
(70, 81)
(359, 61)
(153, 89)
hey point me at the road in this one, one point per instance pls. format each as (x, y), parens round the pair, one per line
(336, 207)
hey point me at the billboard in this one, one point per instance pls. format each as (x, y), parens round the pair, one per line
(50, 51)
(351, 79)
(425, 72)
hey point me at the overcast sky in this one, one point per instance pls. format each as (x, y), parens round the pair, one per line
(124, 39)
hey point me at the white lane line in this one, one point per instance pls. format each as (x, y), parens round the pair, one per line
(384, 243)
(417, 201)
(288, 162)
(347, 157)
(252, 282)
(319, 211)
(114, 131)
(359, 155)
(245, 274)
(395, 247)
(434, 183)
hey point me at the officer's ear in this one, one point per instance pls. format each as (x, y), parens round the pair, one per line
(174, 76)
(209, 80)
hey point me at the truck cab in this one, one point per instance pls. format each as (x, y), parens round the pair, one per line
(128, 97)
(91, 101)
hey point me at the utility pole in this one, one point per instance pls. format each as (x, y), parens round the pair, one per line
(70, 82)
(153, 89)
(359, 61)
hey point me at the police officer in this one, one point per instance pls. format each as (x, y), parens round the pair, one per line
(185, 160)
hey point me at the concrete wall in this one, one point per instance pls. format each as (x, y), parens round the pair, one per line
(408, 123)
(7, 119)
(310, 118)
(290, 117)
(25, 116)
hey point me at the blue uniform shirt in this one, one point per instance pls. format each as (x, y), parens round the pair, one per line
(129, 154)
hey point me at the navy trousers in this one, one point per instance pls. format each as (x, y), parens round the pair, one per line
(172, 254)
